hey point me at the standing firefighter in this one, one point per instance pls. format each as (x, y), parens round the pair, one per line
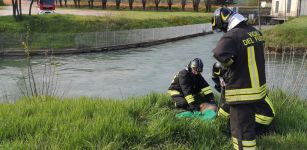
(241, 52)
(189, 89)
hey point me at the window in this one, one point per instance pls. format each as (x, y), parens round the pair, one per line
(276, 6)
(288, 6)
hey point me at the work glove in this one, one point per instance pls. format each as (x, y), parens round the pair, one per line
(212, 101)
(192, 107)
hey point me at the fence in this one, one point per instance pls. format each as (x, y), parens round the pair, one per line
(62, 41)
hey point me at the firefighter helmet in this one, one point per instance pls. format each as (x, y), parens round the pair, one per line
(221, 18)
(225, 19)
(216, 69)
(196, 64)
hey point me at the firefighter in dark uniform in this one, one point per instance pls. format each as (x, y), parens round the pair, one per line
(189, 89)
(241, 53)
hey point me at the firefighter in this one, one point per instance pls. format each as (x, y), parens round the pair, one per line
(219, 76)
(241, 53)
(189, 89)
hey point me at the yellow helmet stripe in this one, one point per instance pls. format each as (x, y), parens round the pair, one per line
(213, 23)
(224, 18)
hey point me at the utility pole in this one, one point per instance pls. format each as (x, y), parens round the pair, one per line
(285, 10)
(259, 15)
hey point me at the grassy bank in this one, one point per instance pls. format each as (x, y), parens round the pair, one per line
(113, 20)
(60, 31)
(291, 34)
(135, 123)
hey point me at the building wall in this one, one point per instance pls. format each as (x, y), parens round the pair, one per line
(303, 8)
(281, 8)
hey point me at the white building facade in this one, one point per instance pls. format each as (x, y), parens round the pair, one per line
(292, 8)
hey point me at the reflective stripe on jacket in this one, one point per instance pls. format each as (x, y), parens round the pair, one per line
(187, 85)
(246, 81)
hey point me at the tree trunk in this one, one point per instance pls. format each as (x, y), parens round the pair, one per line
(60, 3)
(183, 7)
(75, 2)
(104, 5)
(30, 9)
(144, 4)
(14, 8)
(170, 6)
(183, 3)
(20, 10)
(131, 5)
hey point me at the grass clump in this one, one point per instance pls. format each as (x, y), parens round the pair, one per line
(145, 122)
(291, 34)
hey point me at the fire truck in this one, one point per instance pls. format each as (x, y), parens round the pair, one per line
(45, 6)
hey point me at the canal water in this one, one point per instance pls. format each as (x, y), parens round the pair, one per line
(139, 71)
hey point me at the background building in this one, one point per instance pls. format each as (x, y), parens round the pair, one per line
(292, 8)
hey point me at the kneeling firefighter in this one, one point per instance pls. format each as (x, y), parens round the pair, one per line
(241, 53)
(189, 89)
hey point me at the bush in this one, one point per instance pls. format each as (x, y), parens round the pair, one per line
(1, 3)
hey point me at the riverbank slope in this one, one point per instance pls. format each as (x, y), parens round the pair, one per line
(109, 21)
(288, 37)
(67, 32)
(135, 123)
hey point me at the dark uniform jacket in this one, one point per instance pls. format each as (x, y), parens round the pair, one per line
(188, 85)
(243, 46)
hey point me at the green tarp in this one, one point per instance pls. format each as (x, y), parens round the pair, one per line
(208, 114)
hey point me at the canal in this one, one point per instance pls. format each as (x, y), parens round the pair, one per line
(138, 71)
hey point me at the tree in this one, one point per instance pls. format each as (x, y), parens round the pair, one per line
(131, 4)
(65, 1)
(170, 3)
(90, 3)
(183, 3)
(104, 4)
(77, 3)
(30, 9)
(157, 2)
(196, 5)
(17, 11)
(60, 3)
(144, 4)
(208, 4)
(118, 3)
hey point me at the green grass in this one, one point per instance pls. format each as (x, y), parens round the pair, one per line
(145, 122)
(114, 20)
(59, 31)
(291, 34)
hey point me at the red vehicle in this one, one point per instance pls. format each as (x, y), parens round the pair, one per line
(45, 6)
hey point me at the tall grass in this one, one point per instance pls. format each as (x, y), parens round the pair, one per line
(31, 85)
(145, 122)
(287, 72)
